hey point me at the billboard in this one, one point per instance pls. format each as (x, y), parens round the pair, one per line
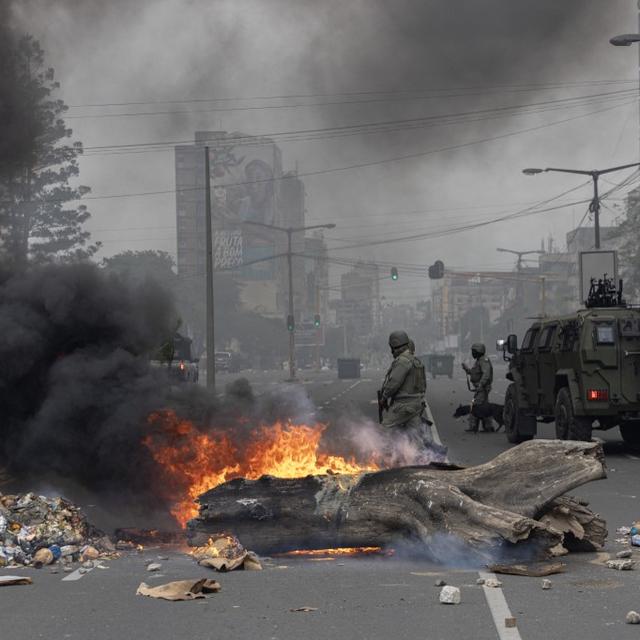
(244, 186)
(596, 265)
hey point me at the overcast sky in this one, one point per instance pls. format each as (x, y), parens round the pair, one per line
(426, 57)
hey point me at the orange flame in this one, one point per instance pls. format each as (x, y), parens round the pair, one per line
(194, 461)
(339, 551)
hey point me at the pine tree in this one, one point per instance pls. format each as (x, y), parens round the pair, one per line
(39, 220)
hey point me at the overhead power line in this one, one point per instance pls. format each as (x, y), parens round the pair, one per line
(371, 163)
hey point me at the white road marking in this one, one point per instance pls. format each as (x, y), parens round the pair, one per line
(499, 609)
(76, 575)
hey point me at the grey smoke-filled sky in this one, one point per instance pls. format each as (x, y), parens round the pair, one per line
(426, 57)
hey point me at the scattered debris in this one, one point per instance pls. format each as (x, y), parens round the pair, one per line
(305, 609)
(635, 540)
(225, 553)
(154, 566)
(621, 565)
(42, 557)
(627, 553)
(89, 552)
(180, 589)
(633, 617)
(450, 595)
(163, 558)
(510, 623)
(480, 581)
(546, 584)
(440, 583)
(37, 531)
(537, 570)
(135, 536)
(7, 581)
(623, 531)
(493, 583)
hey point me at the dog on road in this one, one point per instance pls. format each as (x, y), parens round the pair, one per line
(491, 409)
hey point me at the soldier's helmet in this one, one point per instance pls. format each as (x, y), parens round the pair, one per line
(478, 349)
(398, 339)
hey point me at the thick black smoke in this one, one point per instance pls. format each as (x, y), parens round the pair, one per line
(75, 381)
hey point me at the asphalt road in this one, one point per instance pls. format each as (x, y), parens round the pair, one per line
(366, 598)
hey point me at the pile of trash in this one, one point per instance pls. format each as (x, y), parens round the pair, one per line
(36, 531)
(630, 535)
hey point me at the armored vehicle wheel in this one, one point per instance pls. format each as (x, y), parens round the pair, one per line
(630, 432)
(513, 418)
(569, 426)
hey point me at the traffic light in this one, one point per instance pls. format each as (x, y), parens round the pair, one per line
(291, 325)
(316, 320)
(436, 270)
(394, 273)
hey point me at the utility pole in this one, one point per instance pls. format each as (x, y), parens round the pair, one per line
(319, 329)
(519, 283)
(292, 329)
(211, 349)
(594, 207)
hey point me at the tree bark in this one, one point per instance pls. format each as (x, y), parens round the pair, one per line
(493, 509)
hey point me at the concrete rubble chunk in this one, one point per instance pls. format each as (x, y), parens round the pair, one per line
(633, 617)
(450, 595)
(492, 582)
(546, 584)
(627, 553)
(439, 583)
(154, 566)
(480, 581)
(621, 565)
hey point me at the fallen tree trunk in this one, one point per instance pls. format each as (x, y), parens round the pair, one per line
(492, 507)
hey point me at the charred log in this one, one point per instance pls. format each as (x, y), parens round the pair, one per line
(492, 507)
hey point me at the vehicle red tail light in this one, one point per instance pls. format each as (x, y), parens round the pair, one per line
(181, 366)
(597, 395)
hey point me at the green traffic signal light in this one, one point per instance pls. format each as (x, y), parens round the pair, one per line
(394, 273)
(291, 325)
(316, 320)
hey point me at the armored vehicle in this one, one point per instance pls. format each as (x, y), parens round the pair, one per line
(580, 371)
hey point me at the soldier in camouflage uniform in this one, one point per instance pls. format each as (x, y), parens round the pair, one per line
(404, 388)
(481, 377)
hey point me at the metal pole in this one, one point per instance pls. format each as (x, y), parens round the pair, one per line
(292, 333)
(344, 339)
(319, 330)
(596, 209)
(543, 294)
(211, 348)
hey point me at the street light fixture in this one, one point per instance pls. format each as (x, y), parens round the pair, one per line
(594, 174)
(625, 39)
(290, 316)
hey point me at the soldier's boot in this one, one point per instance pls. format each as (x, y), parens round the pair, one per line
(473, 424)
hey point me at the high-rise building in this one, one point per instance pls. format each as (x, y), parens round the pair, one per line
(250, 195)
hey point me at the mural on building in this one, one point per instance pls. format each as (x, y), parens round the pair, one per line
(243, 197)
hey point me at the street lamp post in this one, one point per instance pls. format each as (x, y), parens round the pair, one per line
(595, 174)
(626, 40)
(290, 231)
(519, 289)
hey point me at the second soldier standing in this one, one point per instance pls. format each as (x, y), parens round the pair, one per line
(481, 377)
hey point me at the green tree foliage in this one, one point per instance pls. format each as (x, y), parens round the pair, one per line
(39, 221)
(139, 266)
